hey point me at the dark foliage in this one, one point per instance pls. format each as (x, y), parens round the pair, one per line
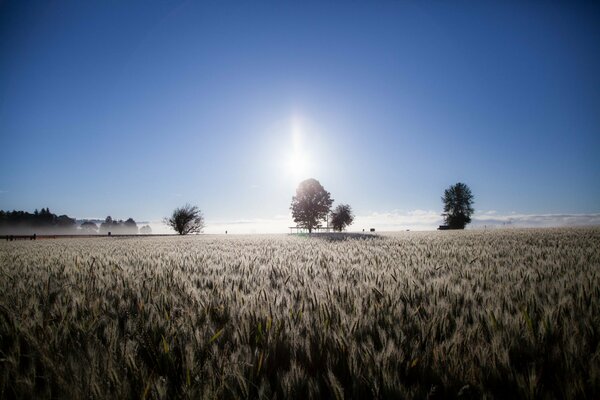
(311, 204)
(186, 219)
(458, 206)
(128, 227)
(44, 220)
(89, 227)
(341, 217)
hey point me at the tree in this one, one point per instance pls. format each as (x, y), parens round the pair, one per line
(89, 227)
(106, 226)
(186, 219)
(146, 230)
(23, 222)
(65, 222)
(130, 227)
(458, 206)
(310, 204)
(45, 217)
(341, 217)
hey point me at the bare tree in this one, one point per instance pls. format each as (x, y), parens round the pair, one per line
(186, 219)
(341, 217)
(311, 204)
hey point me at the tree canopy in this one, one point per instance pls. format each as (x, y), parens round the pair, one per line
(458, 206)
(89, 227)
(186, 219)
(45, 222)
(22, 222)
(311, 204)
(341, 217)
(128, 227)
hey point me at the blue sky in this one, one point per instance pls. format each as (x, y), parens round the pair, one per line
(131, 109)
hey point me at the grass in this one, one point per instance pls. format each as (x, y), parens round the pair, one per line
(503, 314)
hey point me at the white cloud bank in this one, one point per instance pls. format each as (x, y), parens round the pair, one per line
(398, 220)
(535, 220)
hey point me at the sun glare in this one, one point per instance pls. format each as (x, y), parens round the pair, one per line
(297, 166)
(297, 162)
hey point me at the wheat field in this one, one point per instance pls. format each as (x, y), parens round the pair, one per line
(470, 314)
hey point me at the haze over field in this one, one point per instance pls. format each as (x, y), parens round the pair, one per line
(131, 109)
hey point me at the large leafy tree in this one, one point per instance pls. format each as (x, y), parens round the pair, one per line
(186, 219)
(341, 217)
(458, 206)
(311, 204)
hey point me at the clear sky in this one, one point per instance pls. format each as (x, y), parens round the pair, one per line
(131, 109)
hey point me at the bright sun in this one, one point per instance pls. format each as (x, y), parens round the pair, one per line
(297, 162)
(297, 165)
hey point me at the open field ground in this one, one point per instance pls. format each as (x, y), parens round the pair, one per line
(504, 314)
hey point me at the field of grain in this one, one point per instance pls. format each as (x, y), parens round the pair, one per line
(502, 314)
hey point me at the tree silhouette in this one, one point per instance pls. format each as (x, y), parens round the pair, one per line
(23, 222)
(341, 217)
(106, 226)
(65, 222)
(458, 206)
(130, 227)
(310, 204)
(89, 227)
(186, 219)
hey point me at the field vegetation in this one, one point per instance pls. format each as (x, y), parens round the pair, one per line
(502, 314)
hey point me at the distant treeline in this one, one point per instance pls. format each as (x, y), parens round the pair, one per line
(45, 222)
(23, 222)
(128, 227)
